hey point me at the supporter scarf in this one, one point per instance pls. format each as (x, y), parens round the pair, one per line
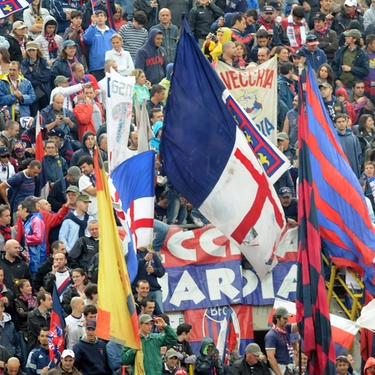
(92, 179)
(70, 65)
(31, 302)
(81, 223)
(323, 30)
(80, 33)
(291, 33)
(287, 340)
(6, 231)
(265, 24)
(52, 46)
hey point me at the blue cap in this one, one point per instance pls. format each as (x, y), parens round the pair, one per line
(285, 192)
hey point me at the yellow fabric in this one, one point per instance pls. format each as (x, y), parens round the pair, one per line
(139, 368)
(216, 48)
(117, 318)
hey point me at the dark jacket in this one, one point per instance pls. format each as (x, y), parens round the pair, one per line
(241, 367)
(151, 13)
(70, 292)
(177, 8)
(22, 311)
(35, 321)
(84, 151)
(59, 371)
(14, 49)
(56, 196)
(6, 27)
(50, 280)
(13, 272)
(61, 68)
(151, 59)
(43, 269)
(341, 22)
(90, 357)
(204, 363)
(334, 107)
(328, 42)
(286, 93)
(360, 69)
(8, 337)
(201, 18)
(279, 37)
(56, 167)
(82, 252)
(4, 354)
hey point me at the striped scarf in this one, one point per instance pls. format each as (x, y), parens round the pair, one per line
(291, 32)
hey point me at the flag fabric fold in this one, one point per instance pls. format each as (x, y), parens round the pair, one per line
(367, 336)
(311, 298)
(117, 316)
(42, 186)
(134, 182)
(143, 126)
(208, 160)
(344, 223)
(56, 332)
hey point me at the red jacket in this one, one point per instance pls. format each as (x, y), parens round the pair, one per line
(83, 114)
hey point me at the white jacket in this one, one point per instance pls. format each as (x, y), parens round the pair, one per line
(369, 17)
(123, 59)
(29, 19)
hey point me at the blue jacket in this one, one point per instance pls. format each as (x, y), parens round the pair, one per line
(61, 68)
(9, 337)
(99, 44)
(285, 92)
(57, 11)
(49, 115)
(151, 59)
(9, 100)
(360, 68)
(155, 142)
(56, 166)
(38, 252)
(40, 74)
(38, 359)
(142, 274)
(316, 58)
(235, 6)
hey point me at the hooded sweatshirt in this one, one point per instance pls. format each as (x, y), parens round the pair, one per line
(204, 364)
(369, 17)
(370, 362)
(52, 44)
(155, 142)
(349, 106)
(151, 59)
(8, 337)
(32, 17)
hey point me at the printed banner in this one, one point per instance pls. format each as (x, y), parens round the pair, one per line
(119, 99)
(255, 89)
(204, 269)
(210, 322)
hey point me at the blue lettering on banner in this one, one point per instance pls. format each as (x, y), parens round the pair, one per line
(265, 126)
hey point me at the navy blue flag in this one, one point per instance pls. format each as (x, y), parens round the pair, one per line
(208, 160)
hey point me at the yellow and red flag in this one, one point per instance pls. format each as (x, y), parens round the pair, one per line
(117, 316)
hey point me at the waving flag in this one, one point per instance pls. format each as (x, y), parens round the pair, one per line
(8, 7)
(367, 336)
(228, 337)
(134, 182)
(208, 160)
(312, 305)
(143, 126)
(117, 316)
(344, 223)
(57, 325)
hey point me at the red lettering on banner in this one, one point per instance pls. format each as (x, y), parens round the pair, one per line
(262, 194)
(234, 80)
(225, 78)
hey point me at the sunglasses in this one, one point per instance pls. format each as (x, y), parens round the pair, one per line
(4, 156)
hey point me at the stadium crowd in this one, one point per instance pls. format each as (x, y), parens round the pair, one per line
(53, 59)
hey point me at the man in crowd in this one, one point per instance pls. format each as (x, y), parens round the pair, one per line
(250, 363)
(10, 134)
(73, 320)
(59, 275)
(156, 114)
(87, 183)
(66, 366)
(6, 231)
(332, 104)
(290, 206)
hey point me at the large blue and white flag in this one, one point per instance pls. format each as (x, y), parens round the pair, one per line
(134, 182)
(208, 159)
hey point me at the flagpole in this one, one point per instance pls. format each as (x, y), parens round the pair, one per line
(299, 355)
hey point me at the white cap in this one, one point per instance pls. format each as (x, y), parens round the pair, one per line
(67, 353)
(351, 3)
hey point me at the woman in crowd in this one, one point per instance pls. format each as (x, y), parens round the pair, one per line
(142, 86)
(17, 40)
(366, 135)
(23, 304)
(118, 18)
(35, 68)
(4, 61)
(241, 54)
(33, 17)
(124, 60)
(63, 64)
(79, 279)
(282, 54)
(325, 74)
(91, 293)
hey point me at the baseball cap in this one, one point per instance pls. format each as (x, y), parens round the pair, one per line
(171, 353)
(354, 33)
(91, 324)
(299, 53)
(319, 16)
(18, 147)
(145, 318)
(282, 136)
(67, 353)
(4, 151)
(275, 4)
(325, 84)
(75, 172)
(72, 188)
(19, 25)
(253, 348)
(33, 199)
(282, 311)
(83, 198)
(32, 45)
(69, 43)
(57, 132)
(268, 9)
(61, 79)
(350, 3)
(312, 40)
(285, 192)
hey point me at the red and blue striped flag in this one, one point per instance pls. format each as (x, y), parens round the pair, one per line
(312, 307)
(8, 7)
(344, 223)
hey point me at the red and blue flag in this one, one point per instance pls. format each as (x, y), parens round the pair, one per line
(8, 7)
(311, 298)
